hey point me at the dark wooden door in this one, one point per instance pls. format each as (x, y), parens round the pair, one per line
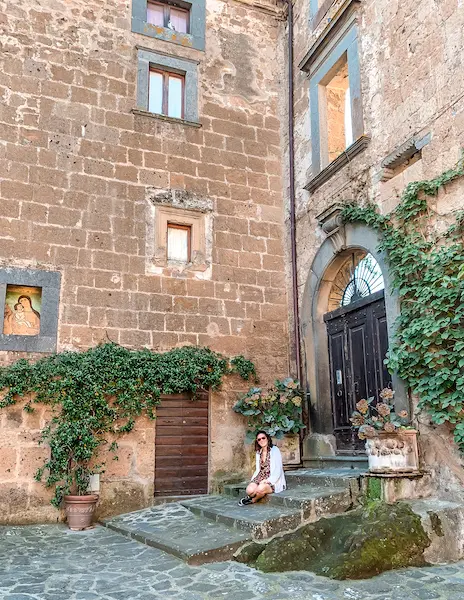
(181, 446)
(358, 343)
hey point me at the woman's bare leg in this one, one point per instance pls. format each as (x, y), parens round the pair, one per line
(262, 490)
(251, 489)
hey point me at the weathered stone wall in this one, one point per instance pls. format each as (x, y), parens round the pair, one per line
(77, 171)
(412, 80)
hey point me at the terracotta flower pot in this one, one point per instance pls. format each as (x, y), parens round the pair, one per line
(80, 511)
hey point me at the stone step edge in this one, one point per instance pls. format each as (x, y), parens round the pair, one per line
(199, 558)
(315, 494)
(257, 529)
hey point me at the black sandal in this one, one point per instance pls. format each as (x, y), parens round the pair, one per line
(245, 501)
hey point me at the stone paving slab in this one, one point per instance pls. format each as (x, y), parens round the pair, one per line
(176, 530)
(51, 563)
(262, 520)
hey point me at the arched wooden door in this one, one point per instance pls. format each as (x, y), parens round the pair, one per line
(358, 344)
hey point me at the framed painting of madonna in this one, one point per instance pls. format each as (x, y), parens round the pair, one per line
(29, 302)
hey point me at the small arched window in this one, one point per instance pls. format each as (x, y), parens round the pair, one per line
(359, 277)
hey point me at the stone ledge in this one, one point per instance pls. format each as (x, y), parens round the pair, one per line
(356, 148)
(145, 113)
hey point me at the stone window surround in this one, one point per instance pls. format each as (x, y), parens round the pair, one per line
(50, 282)
(344, 44)
(165, 62)
(173, 206)
(320, 10)
(194, 39)
(180, 216)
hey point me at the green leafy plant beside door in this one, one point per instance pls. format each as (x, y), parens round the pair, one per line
(96, 395)
(427, 271)
(276, 410)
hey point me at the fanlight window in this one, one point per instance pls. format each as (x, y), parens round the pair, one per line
(359, 277)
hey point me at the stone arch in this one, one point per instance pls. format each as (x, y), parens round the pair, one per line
(341, 240)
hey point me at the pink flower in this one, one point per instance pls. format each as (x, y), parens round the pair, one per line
(383, 409)
(362, 406)
(387, 394)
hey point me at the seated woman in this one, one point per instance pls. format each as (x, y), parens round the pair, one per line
(268, 477)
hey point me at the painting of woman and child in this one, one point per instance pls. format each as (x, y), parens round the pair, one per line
(22, 310)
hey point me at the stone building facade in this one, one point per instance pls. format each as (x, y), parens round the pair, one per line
(378, 103)
(91, 182)
(157, 220)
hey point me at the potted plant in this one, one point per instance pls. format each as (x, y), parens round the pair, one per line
(73, 445)
(391, 442)
(276, 410)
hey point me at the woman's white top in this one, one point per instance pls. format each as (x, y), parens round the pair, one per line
(276, 477)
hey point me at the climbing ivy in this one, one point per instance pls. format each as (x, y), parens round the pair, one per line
(244, 367)
(96, 395)
(427, 271)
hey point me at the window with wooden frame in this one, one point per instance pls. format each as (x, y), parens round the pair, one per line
(166, 93)
(169, 16)
(179, 243)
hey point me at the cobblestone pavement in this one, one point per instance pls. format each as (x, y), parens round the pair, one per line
(51, 563)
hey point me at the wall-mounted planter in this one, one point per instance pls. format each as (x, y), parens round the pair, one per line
(393, 452)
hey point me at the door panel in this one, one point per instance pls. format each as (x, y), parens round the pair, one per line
(358, 343)
(181, 459)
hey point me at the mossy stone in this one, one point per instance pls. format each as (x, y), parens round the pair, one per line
(249, 553)
(354, 545)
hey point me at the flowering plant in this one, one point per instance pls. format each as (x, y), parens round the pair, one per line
(276, 410)
(370, 417)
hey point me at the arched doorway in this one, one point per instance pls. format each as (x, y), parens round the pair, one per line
(343, 291)
(357, 339)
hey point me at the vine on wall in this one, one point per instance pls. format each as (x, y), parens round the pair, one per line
(97, 394)
(427, 270)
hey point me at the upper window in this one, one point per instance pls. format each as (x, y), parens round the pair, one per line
(167, 86)
(337, 99)
(337, 129)
(178, 21)
(166, 15)
(166, 93)
(179, 242)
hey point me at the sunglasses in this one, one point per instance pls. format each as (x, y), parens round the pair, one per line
(260, 439)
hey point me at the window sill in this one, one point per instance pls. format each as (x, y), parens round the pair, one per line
(145, 113)
(356, 148)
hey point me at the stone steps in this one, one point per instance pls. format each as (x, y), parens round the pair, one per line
(343, 477)
(336, 461)
(312, 501)
(178, 531)
(261, 520)
(212, 528)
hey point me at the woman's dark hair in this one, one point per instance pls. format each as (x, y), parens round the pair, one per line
(28, 298)
(269, 440)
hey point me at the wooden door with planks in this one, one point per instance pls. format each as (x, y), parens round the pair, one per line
(181, 445)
